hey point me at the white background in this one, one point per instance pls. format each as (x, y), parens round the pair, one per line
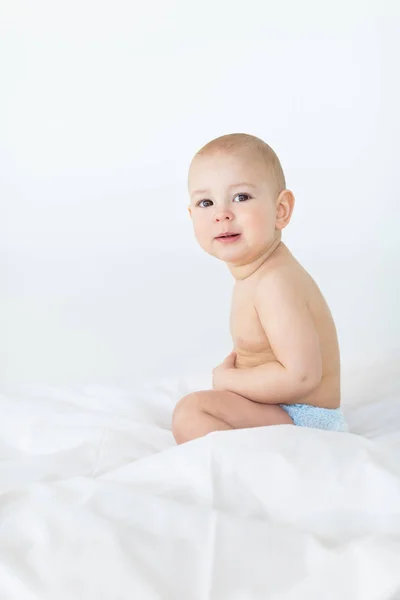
(102, 106)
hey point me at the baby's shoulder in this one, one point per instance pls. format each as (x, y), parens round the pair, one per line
(283, 279)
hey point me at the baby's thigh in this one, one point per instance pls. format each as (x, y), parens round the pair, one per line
(235, 410)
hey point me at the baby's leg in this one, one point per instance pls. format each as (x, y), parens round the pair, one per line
(203, 412)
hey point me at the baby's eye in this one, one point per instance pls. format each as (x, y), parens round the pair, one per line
(204, 203)
(241, 197)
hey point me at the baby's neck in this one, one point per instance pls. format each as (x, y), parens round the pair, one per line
(244, 271)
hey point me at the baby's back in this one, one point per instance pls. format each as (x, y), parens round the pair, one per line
(250, 340)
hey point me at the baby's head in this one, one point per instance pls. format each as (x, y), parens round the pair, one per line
(239, 203)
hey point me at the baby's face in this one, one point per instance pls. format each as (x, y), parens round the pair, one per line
(232, 205)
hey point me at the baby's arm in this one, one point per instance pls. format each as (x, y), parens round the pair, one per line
(288, 325)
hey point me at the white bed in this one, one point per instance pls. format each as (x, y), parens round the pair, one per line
(98, 503)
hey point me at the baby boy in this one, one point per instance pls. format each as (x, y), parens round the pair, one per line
(285, 365)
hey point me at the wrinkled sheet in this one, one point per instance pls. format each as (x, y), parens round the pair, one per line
(97, 502)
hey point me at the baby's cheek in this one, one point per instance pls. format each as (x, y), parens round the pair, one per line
(202, 233)
(254, 220)
(260, 219)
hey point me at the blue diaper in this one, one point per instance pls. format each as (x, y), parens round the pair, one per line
(305, 415)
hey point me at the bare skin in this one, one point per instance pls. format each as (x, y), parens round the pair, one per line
(285, 347)
(251, 344)
(216, 410)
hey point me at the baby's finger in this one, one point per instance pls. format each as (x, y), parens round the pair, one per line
(230, 359)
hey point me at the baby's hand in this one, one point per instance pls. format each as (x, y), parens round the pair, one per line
(221, 372)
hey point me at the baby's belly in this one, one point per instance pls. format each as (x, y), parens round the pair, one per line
(246, 358)
(326, 395)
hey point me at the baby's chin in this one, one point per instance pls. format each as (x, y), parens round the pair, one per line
(232, 254)
(239, 254)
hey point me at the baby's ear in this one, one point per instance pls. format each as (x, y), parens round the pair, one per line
(284, 209)
(190, 211)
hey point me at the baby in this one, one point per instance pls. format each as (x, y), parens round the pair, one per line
(285, 364)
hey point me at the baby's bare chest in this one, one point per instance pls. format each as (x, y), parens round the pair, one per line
(246, 329)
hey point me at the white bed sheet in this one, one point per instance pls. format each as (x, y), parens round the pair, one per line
(97, 502)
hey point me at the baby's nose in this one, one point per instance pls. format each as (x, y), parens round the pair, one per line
(223, 215)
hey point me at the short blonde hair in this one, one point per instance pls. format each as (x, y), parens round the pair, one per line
(239, 142)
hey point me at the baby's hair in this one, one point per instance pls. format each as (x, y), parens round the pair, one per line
(244, 142)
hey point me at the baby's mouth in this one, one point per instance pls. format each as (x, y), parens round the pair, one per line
(226, 237)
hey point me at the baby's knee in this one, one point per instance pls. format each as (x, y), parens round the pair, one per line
(184, 413)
